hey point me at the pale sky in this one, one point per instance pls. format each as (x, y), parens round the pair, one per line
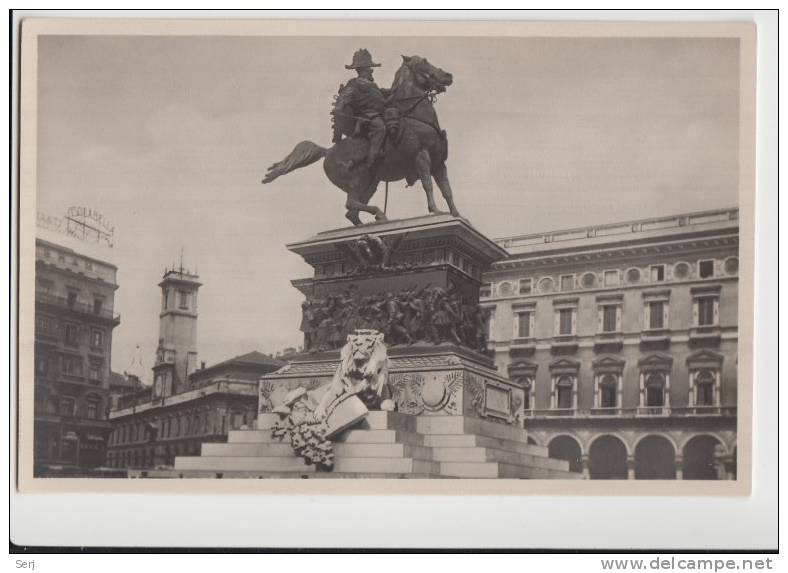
(169, 138)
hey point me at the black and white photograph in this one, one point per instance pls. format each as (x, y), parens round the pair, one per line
(447, 255)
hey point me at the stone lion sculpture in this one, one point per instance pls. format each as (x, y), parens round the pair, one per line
(360, 383)
(362, 372)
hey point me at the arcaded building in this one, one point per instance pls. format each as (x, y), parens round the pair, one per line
(74, 320)
(188, 405)
(625, 337)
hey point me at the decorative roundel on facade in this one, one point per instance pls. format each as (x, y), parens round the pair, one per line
(545, 284)
(588, 280)
(681, 270)
(433, 393)
(505, 289)
(731, 266)
(633, 275)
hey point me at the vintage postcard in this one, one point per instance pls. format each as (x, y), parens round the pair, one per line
(386, 257)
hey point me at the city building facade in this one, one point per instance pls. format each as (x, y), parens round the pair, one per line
(186, 406)
(74, 320)
(121, 386)
(625, 337)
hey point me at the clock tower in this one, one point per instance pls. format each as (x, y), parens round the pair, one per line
(176, 355)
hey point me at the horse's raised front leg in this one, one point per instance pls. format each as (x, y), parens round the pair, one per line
(358, 202)
(423, 167)
(441, 175)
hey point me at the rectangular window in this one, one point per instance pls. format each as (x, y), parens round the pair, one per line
(657, 273)
(98, 304)
(705, 395)
(567, 282)
(609, 315)
(706, 269)
(72, 334)
(42, 365)
(72, 299)
(72, 365)
(655, 396)
(608, 395)
(97, 338)
(94, 372)
(66, 407)
(44, 287)
(611, 278)
(183, 299)
(656, 315)
(43, 324)
(563, 394)
(524, 325)
(705, 311)
(565, 321)
(526, 286)
(92, 410)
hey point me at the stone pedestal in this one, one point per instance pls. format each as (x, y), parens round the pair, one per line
(418, 275)
(443, 380)
(416, 281)
(434, 250)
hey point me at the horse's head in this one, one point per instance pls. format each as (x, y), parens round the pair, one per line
(425, 75)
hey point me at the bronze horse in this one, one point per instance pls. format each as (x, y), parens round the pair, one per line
(416, 146)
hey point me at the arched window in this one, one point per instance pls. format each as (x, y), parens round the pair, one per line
(655, 389)
(564, 388)
(526, 384)
(608, 391)
(705, 381)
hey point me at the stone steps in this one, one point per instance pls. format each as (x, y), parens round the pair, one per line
(473, 440)
(243, 463)
(348, 436)
(386, 445)
(494, 455)
(491, 470)
(374, 421)
(213, 474)
(466, 425)
(350, 450)
(294, 465)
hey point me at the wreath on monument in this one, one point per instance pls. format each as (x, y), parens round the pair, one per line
(307, 438)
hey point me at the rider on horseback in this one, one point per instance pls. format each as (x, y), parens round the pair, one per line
(366, 101)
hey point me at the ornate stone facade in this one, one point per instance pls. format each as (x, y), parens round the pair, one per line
(74, 318)
(625, 339)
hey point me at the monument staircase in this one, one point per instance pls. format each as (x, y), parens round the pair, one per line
(384, 445)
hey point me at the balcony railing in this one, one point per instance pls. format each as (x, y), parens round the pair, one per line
(717, 216)
(637, 412)
(704, 411)
(652, 411)
(76, 306)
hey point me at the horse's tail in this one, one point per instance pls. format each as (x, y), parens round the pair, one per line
(303, 154)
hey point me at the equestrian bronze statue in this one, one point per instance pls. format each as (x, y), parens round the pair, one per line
(382, 135)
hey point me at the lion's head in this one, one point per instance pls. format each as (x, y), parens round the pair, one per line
(364, 359)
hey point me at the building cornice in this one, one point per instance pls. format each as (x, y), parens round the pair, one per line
(579, 254)
(76, 275)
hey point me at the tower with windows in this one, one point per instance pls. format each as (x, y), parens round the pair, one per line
(176, 354)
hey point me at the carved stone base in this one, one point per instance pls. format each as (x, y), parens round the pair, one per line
(433, 381)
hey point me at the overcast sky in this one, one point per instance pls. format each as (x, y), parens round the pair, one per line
(169, 138)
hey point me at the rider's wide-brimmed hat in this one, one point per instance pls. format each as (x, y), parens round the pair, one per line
(362, 59)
